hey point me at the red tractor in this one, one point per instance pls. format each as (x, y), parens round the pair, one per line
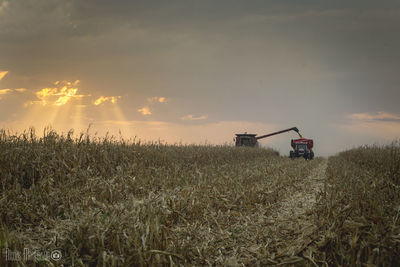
(301, 147)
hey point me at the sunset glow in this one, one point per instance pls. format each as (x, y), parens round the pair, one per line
(261, 66)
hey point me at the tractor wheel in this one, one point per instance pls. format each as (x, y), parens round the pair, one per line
(291, 154)
(311, 154)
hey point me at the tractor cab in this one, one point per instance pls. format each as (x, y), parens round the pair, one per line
(302, 147)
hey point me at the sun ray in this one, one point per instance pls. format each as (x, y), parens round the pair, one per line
(78, 117)
(119, 116)
(54, 115)
(34, 117)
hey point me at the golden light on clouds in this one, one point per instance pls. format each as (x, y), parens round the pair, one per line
(190, 117)
(145, 111)
(58, 96)
(10, 91)
(5, 91)
(2, 74)
(59, 106)
(156, 99)
(62, 100)
(102, 99)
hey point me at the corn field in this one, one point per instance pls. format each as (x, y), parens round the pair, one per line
(115, 202)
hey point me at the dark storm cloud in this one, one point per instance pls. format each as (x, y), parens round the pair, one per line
(41, 18)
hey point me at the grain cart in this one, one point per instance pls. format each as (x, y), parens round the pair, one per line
(252, 139)
(302, 147)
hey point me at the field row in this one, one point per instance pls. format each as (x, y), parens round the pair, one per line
(113, 202)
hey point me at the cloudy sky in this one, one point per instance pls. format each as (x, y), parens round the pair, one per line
(200, 71)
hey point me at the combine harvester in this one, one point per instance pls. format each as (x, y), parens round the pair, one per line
(302, 147)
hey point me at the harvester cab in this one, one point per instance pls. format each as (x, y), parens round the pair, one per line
(246, 140)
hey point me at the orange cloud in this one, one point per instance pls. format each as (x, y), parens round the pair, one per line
(10, 91)
(379, 116)
(5, 91)
(2, 74)
(101, 99)
(380, 125)
(57, 96)
(145, 111)
(156, 99)
(190, 117)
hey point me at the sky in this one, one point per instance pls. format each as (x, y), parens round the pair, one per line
(200, 71)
